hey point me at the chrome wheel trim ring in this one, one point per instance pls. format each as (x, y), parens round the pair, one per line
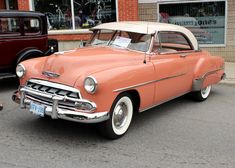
(122, 115)
(205, 92)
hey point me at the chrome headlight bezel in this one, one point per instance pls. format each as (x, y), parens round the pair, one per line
(90, 84)
(20, 70)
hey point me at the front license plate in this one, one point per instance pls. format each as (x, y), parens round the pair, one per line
(37, 109)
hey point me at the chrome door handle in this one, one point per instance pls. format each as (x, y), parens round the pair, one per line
(183, 55)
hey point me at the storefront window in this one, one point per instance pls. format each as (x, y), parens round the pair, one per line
(12, 4)
(89, 13)
(58, 12)
(81, 14)
(206, 20)
(9, 4)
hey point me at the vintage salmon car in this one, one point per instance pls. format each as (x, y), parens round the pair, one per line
(127, 67)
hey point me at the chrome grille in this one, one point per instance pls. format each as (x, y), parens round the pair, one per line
(52, 90)
(70, 94)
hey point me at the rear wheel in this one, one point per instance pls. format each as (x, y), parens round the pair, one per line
(120, 117)
(202, 94)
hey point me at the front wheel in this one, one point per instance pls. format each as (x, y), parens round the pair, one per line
(202, 94)
(120, 117)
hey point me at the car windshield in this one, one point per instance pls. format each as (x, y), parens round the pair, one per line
(121, 39)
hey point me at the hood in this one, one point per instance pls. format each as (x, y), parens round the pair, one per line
(79, 63)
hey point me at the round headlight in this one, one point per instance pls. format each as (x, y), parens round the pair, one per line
(20, 70)
(90, 84)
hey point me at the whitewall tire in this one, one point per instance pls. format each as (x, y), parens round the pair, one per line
(120, 117)
(203, 94)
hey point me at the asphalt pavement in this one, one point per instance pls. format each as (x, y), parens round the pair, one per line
(178, 134)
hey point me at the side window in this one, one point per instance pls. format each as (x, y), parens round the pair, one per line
(171, 42)
(31, 26)
(9, 26)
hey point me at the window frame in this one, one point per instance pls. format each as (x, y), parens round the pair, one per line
(157, 36)
(14, 34)
(163, 2)
(32, 34)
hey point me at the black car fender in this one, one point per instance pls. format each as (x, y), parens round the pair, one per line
(28, 54)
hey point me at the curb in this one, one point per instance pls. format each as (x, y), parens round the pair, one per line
(230, 81)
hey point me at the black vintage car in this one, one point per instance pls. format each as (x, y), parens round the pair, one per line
(23, 35)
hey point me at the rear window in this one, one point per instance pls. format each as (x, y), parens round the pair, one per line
(174, 40)
(31, 26)
(9, 26)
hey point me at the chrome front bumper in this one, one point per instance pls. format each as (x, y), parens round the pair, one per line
(56, 112)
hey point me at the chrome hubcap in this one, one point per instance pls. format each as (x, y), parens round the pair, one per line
(206, 91)
(120, 115)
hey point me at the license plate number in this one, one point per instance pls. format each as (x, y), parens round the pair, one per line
(37, 109)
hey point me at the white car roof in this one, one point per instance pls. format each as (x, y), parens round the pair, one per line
(147, 28)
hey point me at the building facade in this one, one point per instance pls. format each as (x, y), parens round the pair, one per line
(211, 21)
(9, 4)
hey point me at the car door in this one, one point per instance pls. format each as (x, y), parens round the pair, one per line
(10, 32)
(172, 74)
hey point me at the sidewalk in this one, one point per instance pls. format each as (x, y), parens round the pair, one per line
(230, 73)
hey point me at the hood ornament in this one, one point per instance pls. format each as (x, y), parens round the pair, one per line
(50, 74)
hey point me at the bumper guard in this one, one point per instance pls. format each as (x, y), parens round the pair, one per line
(55, 112)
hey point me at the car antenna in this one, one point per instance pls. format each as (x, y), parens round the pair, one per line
(145, 51)
(144, 58)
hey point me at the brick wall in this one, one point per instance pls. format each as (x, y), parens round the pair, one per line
(23, 5)
(128, 10)
(148, 12)
(71, 37)
(2, 4)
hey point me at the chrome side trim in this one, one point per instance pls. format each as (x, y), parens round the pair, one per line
(163, 102)
(197, 83)
(146, 83)
(211, 72)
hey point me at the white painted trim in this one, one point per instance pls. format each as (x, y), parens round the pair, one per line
(171, 1)
(117, 11)
(196, 1)
(31, 5)
(147, 1)
(226, 22)
(76, 31)
(7, 4)
(73, 16)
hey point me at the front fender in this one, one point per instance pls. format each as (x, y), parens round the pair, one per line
(114, 81)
